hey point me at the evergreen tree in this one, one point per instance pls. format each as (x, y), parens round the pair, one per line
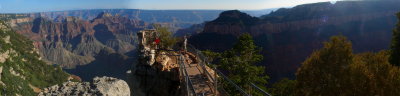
(239, 62)
(395, 46)
(284, 87)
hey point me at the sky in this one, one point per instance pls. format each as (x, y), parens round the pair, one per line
(23, 6)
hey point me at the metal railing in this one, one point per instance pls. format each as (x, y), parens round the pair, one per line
(203, 65)
(260, 90)
(190, 91)
(232, 83)
(202, 61)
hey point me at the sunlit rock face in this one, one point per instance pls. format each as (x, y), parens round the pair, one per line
(83, 47)
(102, 86)
(288, 36)
(73, 41)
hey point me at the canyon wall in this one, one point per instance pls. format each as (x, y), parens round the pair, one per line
(83, 47)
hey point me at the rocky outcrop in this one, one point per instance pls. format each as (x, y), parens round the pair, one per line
(102, 86)
(111, 86)
(7, 39)
(4, 56)
(1, 71)
(157, 72)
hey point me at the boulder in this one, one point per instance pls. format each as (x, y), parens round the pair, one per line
(101, 86)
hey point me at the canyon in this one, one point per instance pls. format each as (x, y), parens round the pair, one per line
(82, 41)
(289, 35)
(83, 47)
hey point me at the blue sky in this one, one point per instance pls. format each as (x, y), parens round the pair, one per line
(18, 6)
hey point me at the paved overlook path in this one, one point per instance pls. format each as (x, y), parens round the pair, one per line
(202, 85)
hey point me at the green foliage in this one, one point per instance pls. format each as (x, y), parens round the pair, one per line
(24, 61)
(395, 46)
(239, 63)
(166, 37)
(371, 73)
(322, 73)
(335, 70)
(211, 55)
(284, 87)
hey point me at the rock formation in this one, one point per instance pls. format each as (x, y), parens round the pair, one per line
(102, 86)
(157, 72)
(74, 43)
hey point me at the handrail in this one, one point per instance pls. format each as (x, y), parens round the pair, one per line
(231, 82)
(203, 67)
(192, 49)
(259, 89)
(189, 83)
(201, 56)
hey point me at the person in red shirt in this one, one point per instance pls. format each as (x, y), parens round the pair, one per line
(157, 41)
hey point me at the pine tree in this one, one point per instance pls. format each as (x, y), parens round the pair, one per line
(395, 46)
(240, 62)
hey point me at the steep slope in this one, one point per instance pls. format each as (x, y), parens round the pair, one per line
(288, 36)
(70, 42)
(21, 70)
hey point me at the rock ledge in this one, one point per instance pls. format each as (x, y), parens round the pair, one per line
(102, 86)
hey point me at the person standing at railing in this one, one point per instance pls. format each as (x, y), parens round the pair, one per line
(184, 42)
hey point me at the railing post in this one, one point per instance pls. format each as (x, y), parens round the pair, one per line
(216, 81)
(185, 74)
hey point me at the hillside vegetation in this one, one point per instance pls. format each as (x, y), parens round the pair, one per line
(21, 70)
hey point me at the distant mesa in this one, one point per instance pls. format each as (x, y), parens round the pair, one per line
(104, 14)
